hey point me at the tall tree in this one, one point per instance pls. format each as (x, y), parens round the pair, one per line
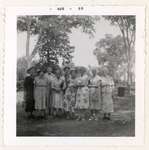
(28, 21)
(29, 25)
(21, 68)
(127, 26)
(53, 44)
(53, 40)
(110, 52)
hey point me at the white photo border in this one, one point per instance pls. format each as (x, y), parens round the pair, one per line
(10, 137)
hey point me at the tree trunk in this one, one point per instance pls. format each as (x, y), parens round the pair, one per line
(129, 70)
(28, 40)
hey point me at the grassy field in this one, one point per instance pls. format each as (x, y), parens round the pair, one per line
(121, 124)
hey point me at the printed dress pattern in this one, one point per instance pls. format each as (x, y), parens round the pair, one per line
(40, 93)
(70, 96)
(95, 96)
(50, 78)
(57, 96)
(82, 96)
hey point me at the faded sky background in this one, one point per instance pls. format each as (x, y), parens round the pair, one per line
(84, 45)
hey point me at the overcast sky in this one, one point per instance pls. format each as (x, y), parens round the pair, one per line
(84, 45)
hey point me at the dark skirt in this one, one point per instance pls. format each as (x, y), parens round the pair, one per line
(29, 94)
(29, 103)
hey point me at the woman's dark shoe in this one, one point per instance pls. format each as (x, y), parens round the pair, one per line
(105, 118)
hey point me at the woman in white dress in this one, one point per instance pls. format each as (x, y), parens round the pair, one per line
(107, 99)
(41, 93)
(57, 93)
(95, 94)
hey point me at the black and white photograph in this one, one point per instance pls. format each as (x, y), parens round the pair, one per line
(75, 75)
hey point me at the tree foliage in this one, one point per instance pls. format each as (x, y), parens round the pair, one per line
(53, 41)
(110, 52)
(127, 26)
(24, 21)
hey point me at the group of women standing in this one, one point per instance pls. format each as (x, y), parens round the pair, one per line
(75, 94)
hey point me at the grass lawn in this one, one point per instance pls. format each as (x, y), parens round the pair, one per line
(121, 124)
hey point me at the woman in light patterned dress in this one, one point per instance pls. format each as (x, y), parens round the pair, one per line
(70, 95)
(107, 91)
(40, 93)
(50, 76)
(95, 95)
(57, 93)
(82, 96)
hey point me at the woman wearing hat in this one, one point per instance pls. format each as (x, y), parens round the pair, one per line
(29, 92)
(50, 76)
(107, 91)
(40, 93)
(66, 73)
(57, 93)
(95, 96)
(82, 96)
(70, 95)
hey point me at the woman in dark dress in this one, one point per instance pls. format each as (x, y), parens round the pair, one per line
(29, 92)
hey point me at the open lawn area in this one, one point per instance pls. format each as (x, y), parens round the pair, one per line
(122, 123)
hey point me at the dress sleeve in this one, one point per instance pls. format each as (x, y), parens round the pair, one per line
(25, 83)
(86, 80)
(35, 81)
(47, 81)
(52, 83)
(112, 83)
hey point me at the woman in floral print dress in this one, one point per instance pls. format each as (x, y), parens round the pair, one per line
(41, 93)
(82, 96)
(57, 93)
(95, 94)
(70, 95)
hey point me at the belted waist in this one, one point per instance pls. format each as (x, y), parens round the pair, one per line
(93, 86)
(107, 85)
(81, 86)
(41, 86)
